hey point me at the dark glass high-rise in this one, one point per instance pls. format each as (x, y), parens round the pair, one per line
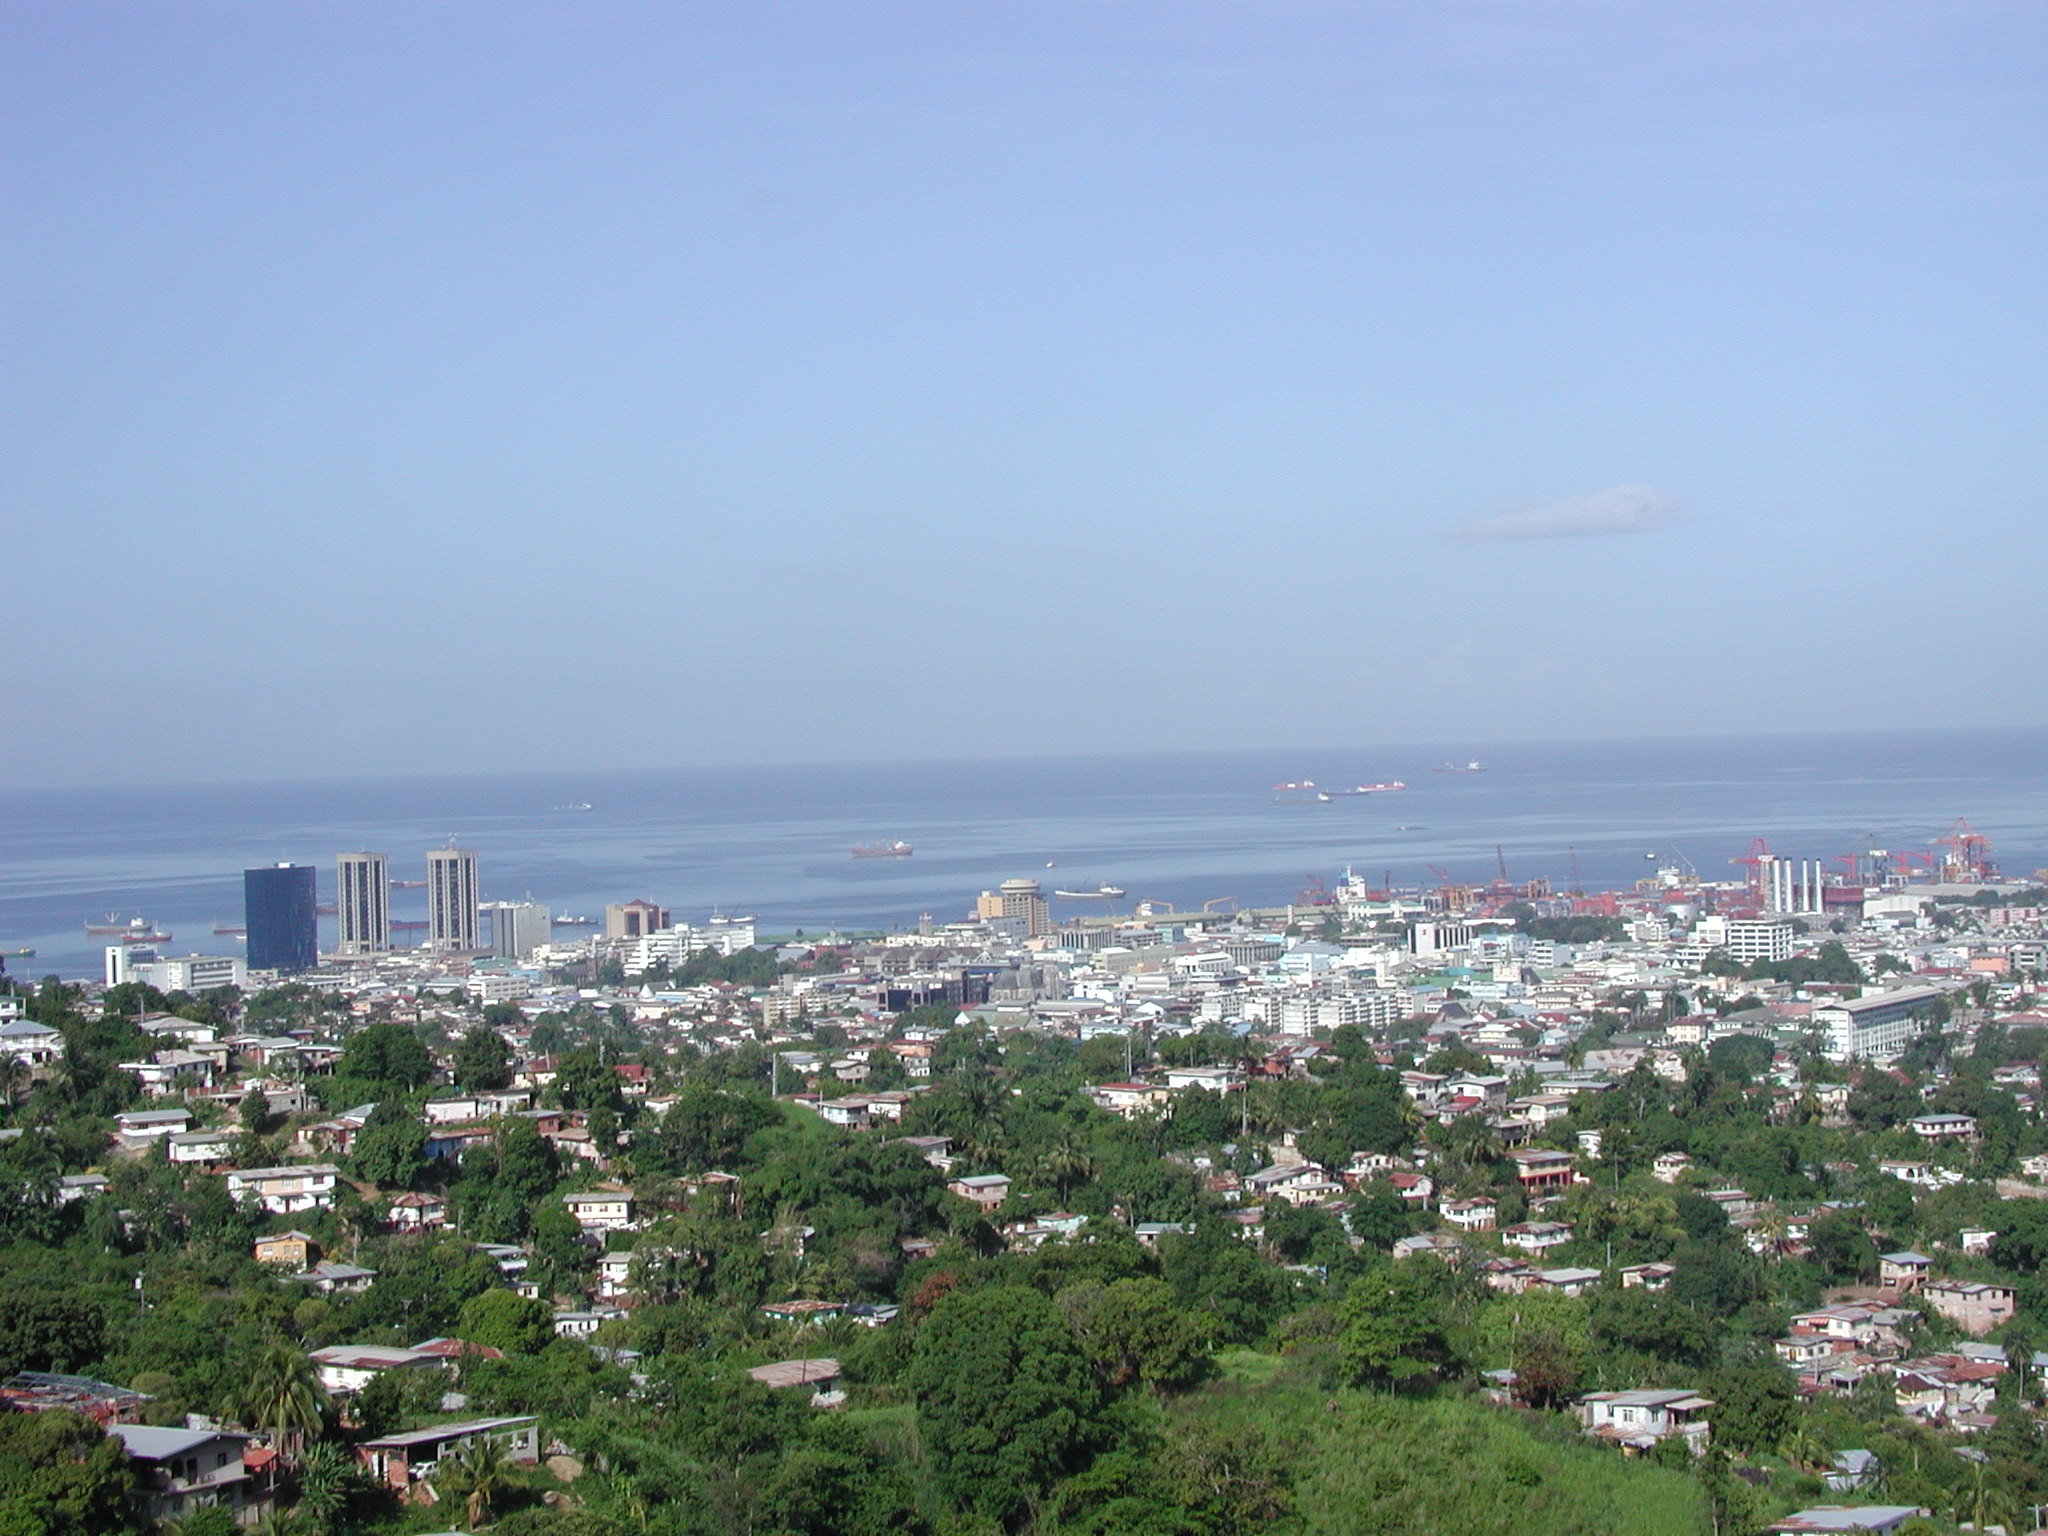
(281, 912)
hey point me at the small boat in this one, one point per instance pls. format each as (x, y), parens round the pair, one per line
(145, 936)
(896, 850)
(20, 954)
(1102, 892)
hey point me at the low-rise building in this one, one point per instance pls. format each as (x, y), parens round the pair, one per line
(1902, 1271)
(1478, 1214)
(294, 1250)
(1536, 1236)
(182, 1471)
(398, 1461)
(285, 1191)
(1637, 1421)
(1972, 1305)
(601, 1210)
(987, 1190)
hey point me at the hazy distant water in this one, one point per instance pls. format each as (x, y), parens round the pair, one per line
(1187, 827)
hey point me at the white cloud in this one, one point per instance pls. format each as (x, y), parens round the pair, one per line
(1618, 509)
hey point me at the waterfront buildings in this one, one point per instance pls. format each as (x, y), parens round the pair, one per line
(363, 902)
(452, 919)
(281, 916)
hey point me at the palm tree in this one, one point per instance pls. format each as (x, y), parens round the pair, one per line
(475, 1475)
(282, 1397)
(1803, 1449)
(327, 1478)
(1063, 1160)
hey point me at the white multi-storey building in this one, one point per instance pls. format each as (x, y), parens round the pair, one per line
(1879, 1026)
(1753, 939)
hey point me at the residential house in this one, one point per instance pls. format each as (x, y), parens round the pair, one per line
(582, 1323)
(285, 1191)
(293, 1250)
(1973, 1306)
(987, 1190)
(1210, 1079)
(398, 1461)
(1903, 1271)
(346, 1368)
(417, 1212)
(179, 1472)
(1542, 1171)
(1937, 1129)
(1296, 1183)
(139, 1127)
(202, 1147)
(1436, 1245)
(1130, 1100)
(820, 1375)
(1647, 1277)
(79, 1186)
(1637, 1421)
(330, 1277)
(1478, 1214)
(606, 1209)
(1670, 1167)
(1536, 1236)
(1840, 1520)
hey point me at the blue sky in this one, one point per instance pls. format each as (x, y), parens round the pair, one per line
(442, 386)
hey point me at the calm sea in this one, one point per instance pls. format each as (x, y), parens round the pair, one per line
(1185, 827)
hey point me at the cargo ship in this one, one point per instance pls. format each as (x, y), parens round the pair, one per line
(896, 850)
(1371, 789)
(1102, 892)
(1473, 766)
(137, 930)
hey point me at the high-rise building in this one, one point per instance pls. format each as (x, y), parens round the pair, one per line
(363, 898)
(518, 928)
(634, 919)
(281, 915)
(1023, 900)
(451, 899)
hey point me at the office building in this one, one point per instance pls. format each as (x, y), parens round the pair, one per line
(1024, 902)
(1751, 939)
(518, 928)
(634, 919)
(363, 899)
(187, 973)
(1877, 1027)
(452, 919)
(281, 914)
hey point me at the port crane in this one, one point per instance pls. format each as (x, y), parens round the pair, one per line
(1756, 861)
(1969, 854)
